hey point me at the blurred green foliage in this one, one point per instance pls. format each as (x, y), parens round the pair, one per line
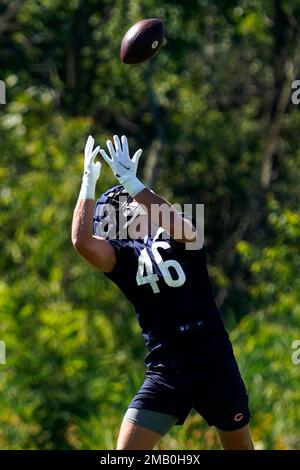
(212, 111)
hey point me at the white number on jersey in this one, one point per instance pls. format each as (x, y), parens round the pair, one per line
(144, 263)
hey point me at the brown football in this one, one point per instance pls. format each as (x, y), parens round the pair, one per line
(142, 41)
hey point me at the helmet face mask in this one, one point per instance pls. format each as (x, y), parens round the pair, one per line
(132, 211)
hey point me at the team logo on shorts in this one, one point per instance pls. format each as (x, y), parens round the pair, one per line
(238, 417)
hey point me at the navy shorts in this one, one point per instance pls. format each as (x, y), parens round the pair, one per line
(215, 390)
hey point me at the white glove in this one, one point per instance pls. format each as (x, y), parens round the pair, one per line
(91, 170)
(123, 167)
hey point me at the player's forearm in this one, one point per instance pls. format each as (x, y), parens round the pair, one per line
(159, 209)
(164, 214)
(150, 199)
(82, 224)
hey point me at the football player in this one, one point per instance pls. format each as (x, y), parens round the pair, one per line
(190, 361)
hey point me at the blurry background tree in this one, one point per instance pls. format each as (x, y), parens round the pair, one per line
(213, 112)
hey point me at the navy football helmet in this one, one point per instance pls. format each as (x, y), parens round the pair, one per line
(114, 211)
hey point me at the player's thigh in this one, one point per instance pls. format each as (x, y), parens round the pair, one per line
(240, 439)
(132, 436)
(143, 428)
(221, 396)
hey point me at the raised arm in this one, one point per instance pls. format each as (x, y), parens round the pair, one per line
(95, 250)
(161, 212)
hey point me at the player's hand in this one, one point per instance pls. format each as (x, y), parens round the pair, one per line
(91, 168)
(123, 167)
(119, 161)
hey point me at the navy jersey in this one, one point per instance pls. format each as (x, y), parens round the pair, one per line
(170, 290)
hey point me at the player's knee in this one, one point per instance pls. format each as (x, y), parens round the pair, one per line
(236, 440)
(242, 444)
(247, 444)
(130, 445)
(126, 446)
(135, 437)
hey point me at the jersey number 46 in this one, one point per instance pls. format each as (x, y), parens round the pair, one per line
(145, 273)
